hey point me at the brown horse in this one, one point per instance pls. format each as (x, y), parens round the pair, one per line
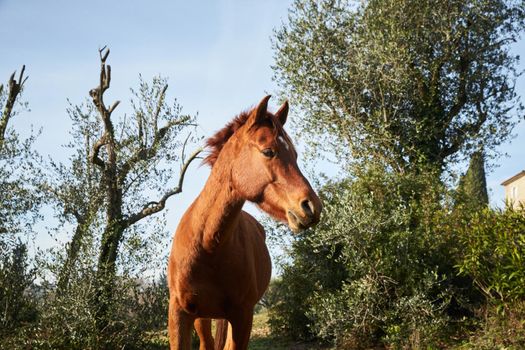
(219, 265)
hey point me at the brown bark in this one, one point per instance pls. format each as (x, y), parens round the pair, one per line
(14, 89)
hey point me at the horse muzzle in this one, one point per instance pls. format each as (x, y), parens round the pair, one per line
(307, 216)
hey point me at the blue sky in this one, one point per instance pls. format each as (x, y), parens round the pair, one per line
(217, 55)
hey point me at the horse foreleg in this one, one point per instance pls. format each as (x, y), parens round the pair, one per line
(241, 325)
(179, 327)
(203, 328)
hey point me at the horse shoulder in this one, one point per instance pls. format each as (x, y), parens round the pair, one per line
(254, 226)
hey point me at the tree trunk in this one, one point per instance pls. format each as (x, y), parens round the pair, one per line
(106, 274)
(71, 256)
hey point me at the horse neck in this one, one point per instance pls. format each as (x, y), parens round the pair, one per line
(218, 208)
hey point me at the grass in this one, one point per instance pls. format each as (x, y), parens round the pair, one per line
(499, 331)
(261, 338)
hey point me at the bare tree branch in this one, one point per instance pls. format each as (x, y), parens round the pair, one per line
(113, 106)
(14, 89)
(95, 159)
(97, 94)
(106, 54)
(154, 207)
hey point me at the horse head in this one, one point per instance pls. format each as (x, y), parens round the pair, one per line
(263, 166)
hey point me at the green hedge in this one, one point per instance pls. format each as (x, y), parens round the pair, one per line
(493, 254)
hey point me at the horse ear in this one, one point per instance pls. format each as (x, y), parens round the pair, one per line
(282, 113)
(260, 111)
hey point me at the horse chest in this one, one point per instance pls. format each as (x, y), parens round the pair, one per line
(222, 272)
(210, 286)
(213, 279)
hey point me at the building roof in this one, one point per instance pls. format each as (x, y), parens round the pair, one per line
(514, 178)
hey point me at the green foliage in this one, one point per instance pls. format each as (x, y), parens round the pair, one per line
(18, 174)
(378, 269)
(67, 318)
(19, 204)
(395, 263)
(472, 189)
(397, 92)
(493, 254)
(17, 303)
(152, 299)
(407, 82)
(137, 308)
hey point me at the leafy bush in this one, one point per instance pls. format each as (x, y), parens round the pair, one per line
(379, 269)
(17, 304)
(493, 254)
(151, 300)
(66, 318)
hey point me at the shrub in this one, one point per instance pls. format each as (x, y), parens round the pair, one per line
(151, 300)
(66, 319)
(378, 269)
(493, 254)
(17, 302)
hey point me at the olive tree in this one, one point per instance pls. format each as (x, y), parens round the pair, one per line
(19, 202)
(410, 83)
(121, 172)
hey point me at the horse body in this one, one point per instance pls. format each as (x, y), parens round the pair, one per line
(234, 273)
(219, 266)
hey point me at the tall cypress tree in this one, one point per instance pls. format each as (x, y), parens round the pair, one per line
(473, 184)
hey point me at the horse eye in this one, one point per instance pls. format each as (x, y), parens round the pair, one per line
(268, 152)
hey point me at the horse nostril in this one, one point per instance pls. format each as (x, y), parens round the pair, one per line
(307, 207)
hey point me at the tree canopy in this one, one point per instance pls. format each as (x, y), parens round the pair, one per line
(410, 83)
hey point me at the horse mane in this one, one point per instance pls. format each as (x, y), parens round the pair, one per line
(217, 141)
